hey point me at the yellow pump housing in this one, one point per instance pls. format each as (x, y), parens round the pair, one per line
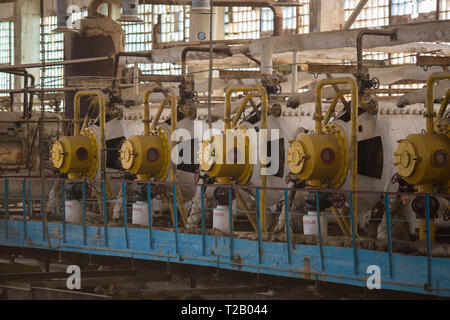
(147, 155)
(320, 158)
(228, 156)
(76, 154)
(424, 160)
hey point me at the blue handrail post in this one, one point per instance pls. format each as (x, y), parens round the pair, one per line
(43, 211)
(105, 213)
(125, 215)
(427, 221)
(230, 204)
(389, 233)
(83, 204)
(319, 227)
(202, 200)
(258, 225)
(352, 220)
(150, 217)
(63, 199)
(175, 215)
(288, 225)
(24, 205)
(6, 207)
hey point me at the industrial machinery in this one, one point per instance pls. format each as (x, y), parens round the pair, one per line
(423, 160)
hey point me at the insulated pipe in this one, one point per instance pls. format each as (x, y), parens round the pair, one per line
(443, 107)
(429, 113)
(264, 114)
(102, 112)
(370, 32)
(354, 131)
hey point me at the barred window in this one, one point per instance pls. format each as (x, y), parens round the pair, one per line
(6, 53)
(374, 14)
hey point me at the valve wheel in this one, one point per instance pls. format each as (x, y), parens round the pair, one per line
(418, 206)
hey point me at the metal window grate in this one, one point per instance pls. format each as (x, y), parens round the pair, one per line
(444, 9)
(6, 53)
(374, 14)
(54, 51)
(252, 23)
(174, 28)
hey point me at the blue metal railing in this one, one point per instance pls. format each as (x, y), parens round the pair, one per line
(26, 201)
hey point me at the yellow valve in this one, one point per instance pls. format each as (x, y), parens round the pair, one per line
(424, 159)
(76, 154)
(320, 157)
(228, 156)
(147, 155)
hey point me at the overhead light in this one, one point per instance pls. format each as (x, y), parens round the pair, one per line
(130, 11)
(201, 6)
(63, 19)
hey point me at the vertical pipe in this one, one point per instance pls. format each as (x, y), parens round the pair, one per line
(43, 213)
(230, 206)
(427, 220)
(83, 204)
(352, 218)
(63, 199)
(389, 234)
(175, 215)
(105, 212)
(24, 205)
(258, 226)
(125, 215)
(150, 218)
(288, 225)
(202, 201)
(319, 227)
(294, 72)
(6, 207)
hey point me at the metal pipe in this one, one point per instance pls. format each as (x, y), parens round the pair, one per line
(429, 113)
(340, 222)
(140, 54)
(6, 68)
(354, 131)
(93, 7)
(173, 126)
(443, 107)
(370, 32)
(242, 108)
(333, 105)
(264, 114)
(102, 112)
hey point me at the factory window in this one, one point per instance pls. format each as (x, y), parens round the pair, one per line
(374, 14)
(6, 53)
(54, 51)
(254, 23)
(173, 24)
(404, 11)
(444, 9)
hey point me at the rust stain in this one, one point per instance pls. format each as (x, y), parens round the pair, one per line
(307, 269)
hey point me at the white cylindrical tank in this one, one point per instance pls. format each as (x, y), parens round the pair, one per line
(221, 218)
(310, 226)
(140, 213)
(74, 213)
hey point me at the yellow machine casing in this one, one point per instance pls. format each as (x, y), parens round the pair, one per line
(322, 158)
(147, 155)
(76, 154)
(423, 159)
(228, 156)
